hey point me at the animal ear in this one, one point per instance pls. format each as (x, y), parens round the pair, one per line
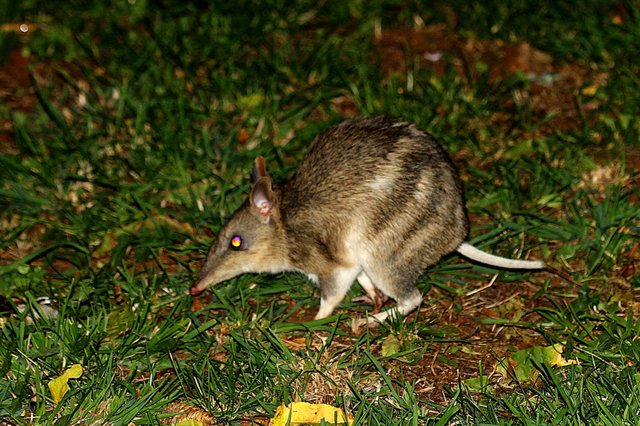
(262, 198)
(259, 170)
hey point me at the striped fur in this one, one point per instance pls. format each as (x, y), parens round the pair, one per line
(373, 198)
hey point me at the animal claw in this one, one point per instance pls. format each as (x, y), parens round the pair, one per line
(376, 301)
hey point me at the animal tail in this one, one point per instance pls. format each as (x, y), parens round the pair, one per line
(469, 251)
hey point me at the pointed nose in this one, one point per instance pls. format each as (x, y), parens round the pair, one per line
(203, 281)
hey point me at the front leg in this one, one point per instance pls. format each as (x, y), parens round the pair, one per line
(333, 288)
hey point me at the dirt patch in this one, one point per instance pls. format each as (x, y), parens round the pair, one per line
(20, 76)
(462, 340)
(553, 87)
(468, 335)
(16, 90)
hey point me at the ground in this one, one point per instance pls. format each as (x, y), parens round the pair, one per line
(126, 136)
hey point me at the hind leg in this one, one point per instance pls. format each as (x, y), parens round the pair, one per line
(399, 286)
(405, 306)
(373, 296)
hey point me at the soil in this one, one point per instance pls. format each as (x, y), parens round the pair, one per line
(471, 343)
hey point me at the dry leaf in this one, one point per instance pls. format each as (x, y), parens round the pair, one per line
(520, 365)
(60, 386)
(391, 345)
(296, 343)
(187, 415)
(589, 90)
(554, 356)
(190, 422)
(302, 413)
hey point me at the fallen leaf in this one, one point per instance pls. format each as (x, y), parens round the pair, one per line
(295, 343)
(479, 384)
(554, 356)
(243, 136)
(520, 365)
(589, 90)
(303, 413)
(119, 321)
(181, 414)
(190, 422)
(60, 386)
(391, 345)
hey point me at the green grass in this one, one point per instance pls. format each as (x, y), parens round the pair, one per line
(132, 143)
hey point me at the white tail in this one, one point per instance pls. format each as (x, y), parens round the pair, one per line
(467, 250)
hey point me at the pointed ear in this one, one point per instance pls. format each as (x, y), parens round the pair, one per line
(259, 169)
(262, 198)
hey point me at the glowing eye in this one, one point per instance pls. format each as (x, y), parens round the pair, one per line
(236, 242)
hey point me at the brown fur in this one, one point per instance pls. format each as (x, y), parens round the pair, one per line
(372, 196)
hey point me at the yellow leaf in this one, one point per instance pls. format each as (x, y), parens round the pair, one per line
(589, 90)
(59, 386)
(190, 422)
(520, 365)
(555, 356)
(300, 413)
(391, 345)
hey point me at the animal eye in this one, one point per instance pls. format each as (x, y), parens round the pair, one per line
(236, 242)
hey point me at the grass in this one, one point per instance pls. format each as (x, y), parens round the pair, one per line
(125, 141)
